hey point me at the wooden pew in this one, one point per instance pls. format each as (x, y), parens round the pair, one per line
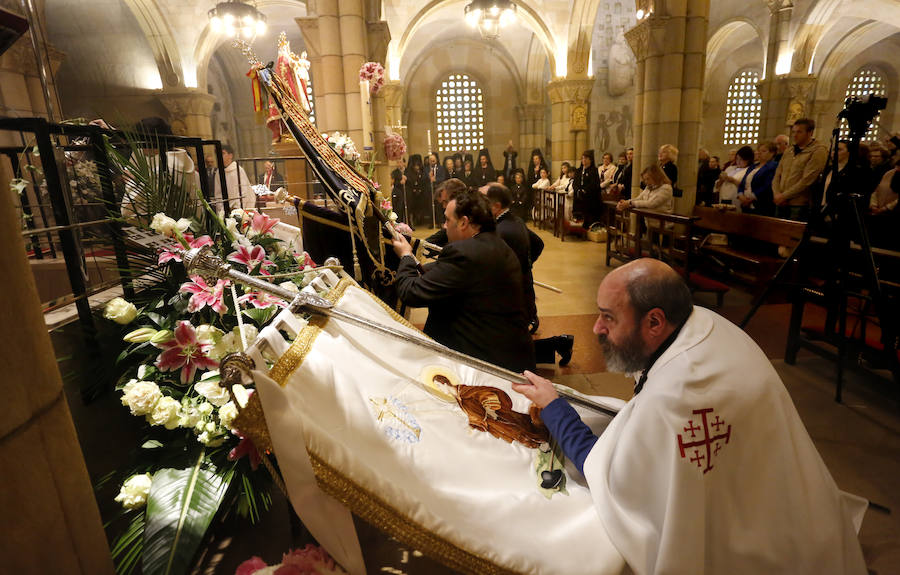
(668, 237)
(760, 236)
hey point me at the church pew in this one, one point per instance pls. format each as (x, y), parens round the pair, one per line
(752, 239)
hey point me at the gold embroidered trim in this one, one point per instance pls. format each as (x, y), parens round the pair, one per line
(294, 356)
(382, 515)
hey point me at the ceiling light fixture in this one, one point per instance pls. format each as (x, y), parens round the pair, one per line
(237, 19)
(490, 16)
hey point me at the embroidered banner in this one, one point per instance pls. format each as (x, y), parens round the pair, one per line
(444, 458)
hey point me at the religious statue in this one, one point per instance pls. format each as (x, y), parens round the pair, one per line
(301, 69)
(287, 67)
(489, 409)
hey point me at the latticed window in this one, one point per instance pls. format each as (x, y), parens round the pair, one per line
(743, 108)
(866, 81)
(459, 105)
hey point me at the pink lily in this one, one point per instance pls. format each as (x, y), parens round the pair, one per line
(248, 448)
(184, 352)
(205, 294)
(261, 300)
(250, 257)
(174, 253)
(262, 224)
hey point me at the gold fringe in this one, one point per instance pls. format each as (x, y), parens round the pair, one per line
(379, 513)
(294, 356)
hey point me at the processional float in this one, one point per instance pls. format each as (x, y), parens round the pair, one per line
(367, 415)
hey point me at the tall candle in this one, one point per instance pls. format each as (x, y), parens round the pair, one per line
(365, 96)
(429, 141)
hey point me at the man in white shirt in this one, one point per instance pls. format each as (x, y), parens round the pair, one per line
(237, 184)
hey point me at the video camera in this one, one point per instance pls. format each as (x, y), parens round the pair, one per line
(859, 111)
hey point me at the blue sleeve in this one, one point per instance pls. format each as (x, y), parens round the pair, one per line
(569, 431)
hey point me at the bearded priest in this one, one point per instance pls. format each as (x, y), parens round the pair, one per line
(708, 468)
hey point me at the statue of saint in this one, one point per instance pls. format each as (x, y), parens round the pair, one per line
(285, 69)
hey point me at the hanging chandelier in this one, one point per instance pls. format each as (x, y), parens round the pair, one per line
(237, 19)
(490, 16)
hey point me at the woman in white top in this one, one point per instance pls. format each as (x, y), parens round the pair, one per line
(563, 180)
(657, 192)
(607, 171)
(730, 179)
(544, 182)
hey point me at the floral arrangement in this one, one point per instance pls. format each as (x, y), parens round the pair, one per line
(374, 73)
(311, 560)
(394, 147)
(192, 461)
(343, 145)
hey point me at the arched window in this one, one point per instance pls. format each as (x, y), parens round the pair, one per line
(459, 106)
(743, 108)
(866, 81)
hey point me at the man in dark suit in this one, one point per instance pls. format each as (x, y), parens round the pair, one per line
(473, 291)
(527, 246)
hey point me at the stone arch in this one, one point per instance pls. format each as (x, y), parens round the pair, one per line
(208, 43)
(857, 40)
(504, 56)
(732, 34)
(500, 81)
(158, 33)
(525, 11)
(535, 82)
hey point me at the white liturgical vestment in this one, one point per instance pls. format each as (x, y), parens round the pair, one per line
(710, 470)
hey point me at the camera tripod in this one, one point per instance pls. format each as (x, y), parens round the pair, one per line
(850, 270)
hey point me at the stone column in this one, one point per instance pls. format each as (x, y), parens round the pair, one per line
(771, 89)
(388, 112)
(48, 514)
(569, 99)
(531, 130)
(322, 34)
(670, 45)
(353, 49)
(189, 112)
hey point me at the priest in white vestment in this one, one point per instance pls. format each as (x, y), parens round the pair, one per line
(708, 468)
(240, 192)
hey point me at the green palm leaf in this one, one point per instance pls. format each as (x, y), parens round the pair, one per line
(180, 507)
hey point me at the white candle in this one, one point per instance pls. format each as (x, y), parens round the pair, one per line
(366, 116)
(429, 141)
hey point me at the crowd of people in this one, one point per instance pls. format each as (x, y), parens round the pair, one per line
(786, 176)
(783, 177)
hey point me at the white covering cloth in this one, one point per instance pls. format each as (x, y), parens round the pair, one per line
(710, 470)
(355, 402)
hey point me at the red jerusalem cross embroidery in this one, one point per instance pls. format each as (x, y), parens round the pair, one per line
(709, 444)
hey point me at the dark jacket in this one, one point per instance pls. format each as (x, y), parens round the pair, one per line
(761, 186)
(483, 176)
(473, 293)
(520, 239)
(509, 164)
(671, 171)
(587, 194)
